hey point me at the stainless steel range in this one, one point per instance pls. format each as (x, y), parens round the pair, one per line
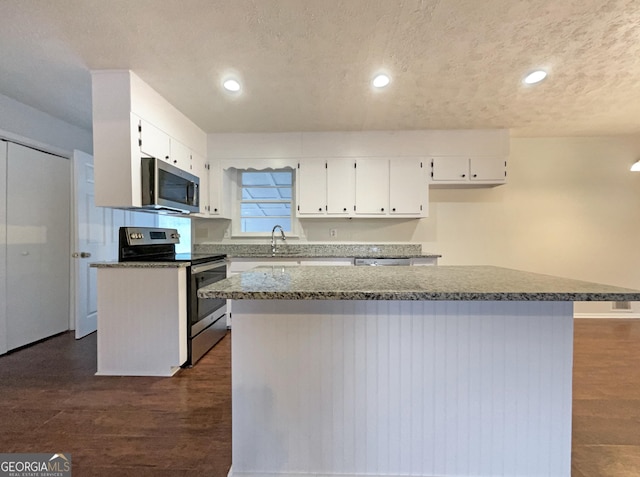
(207, 323)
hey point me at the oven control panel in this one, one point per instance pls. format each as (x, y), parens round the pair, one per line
(150, 236)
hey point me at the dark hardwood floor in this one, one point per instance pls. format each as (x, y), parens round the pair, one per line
(50, 401)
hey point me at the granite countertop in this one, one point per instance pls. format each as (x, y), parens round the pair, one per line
(298, 255)
(140, 264)
(318, 250)
(409, 283)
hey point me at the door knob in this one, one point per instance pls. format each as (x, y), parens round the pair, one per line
(85, 254)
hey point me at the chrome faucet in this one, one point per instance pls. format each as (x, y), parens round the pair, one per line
(273, 238)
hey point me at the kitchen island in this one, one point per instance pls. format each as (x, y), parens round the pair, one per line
(426, 371)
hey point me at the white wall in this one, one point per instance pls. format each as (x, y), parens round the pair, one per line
(18, 121)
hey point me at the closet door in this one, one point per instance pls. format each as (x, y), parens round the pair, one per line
(3, 247)
(38, 245)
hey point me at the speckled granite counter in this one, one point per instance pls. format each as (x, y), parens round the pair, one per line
(311, 250)
(140, 264)
(409, 283)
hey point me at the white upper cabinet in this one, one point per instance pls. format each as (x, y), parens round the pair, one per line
(180, 156)
(456, 171)
(491, 169)
(215, 187)
(131, 121)
(408, 189)
(325, 187)
(449, 169)
(372, 186)
(200, 169)
(340, 186)
(220, 183)
(362, 187)
(311, 187)
(153, 142)
(156, 143)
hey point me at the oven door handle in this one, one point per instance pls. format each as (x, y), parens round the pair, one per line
(208, 266)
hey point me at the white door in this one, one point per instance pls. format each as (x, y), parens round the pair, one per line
(38, 239)
(92, 243)
(3, 248)
(95, 240)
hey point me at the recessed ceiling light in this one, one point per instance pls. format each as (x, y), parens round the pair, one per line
(381, 80)
(231, 85)
(535, 77)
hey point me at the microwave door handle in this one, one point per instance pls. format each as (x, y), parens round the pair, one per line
(192, 193)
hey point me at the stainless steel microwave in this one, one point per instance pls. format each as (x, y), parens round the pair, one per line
(167, 188)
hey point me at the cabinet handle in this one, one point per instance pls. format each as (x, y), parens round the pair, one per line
(166, 157)
(382, 210)
(464, 175)
(319, 209)
(344, 210)
(475, 175)
(215, 210)
(393, 210)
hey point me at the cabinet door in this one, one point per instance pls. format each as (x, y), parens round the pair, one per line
(488, 169)
(407, 186)
(450, 168)
(340, 186)
(215, 189)
(154, 142)
(312, 187)
(180, 155)
(199, 168)
(372, 186)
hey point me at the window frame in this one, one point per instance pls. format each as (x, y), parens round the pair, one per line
(236, 222)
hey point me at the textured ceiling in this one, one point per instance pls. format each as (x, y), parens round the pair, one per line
(306, 65)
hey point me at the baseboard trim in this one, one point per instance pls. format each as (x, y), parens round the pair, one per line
(612, 315)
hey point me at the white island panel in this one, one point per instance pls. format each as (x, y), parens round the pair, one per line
(390, 388)
(142, 320)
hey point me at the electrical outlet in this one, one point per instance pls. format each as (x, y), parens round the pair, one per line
(333, 233)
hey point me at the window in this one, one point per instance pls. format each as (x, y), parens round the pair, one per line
(265, 200)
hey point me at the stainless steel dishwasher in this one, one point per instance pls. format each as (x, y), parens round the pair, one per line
(382, 262)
